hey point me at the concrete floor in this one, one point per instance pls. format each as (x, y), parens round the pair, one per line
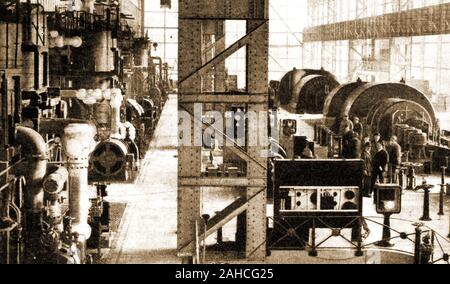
(147, 232)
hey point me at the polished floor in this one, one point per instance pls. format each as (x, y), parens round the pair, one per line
(147, 231)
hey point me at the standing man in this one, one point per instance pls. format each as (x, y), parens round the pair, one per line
(355, 147)
(379, 163)
(395, 159)
(347, 144)
(376, 139)
(366, 156)
(357, 127)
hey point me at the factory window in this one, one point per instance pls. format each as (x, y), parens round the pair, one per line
(161, 25)
(235, 64)
(287, 20)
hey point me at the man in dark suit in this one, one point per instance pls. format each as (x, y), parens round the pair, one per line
(375, 140)
(366, 156)
(395, 159)
(354, 147)
(379, 163)
(346, 144)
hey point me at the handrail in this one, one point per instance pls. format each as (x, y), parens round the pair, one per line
(436, 237)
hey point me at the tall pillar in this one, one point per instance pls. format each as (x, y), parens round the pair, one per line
(199, 19)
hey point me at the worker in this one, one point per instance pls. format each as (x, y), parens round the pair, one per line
(375, 140)
(347, 144)
(273, 89)
(379, 163)
(357, 127)
(354, 147)
(395, 159)
(345, 125)
(366, 156)
(365, 140)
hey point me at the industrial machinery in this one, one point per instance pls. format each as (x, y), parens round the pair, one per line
(310, 194)
(386, 108)
(72, 121)
(381, 107)
(305, 90)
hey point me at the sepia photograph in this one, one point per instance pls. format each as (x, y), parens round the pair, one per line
(225, 139)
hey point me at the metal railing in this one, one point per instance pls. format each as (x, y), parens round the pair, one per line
(427, 243)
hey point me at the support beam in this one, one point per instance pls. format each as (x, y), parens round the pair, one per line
(223, 55)
(431, 20)
(224, 98)
(202, 72)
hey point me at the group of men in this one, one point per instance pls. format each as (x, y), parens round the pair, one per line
(351, 133)
(381, 158)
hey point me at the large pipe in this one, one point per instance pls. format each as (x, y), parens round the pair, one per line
(77, 143)
(53, 184)
(34, 150)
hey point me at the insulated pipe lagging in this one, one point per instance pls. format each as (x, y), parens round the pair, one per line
(77, 144)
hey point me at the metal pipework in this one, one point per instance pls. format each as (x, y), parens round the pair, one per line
(77, 142)
(54, 183)
(34, 150)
